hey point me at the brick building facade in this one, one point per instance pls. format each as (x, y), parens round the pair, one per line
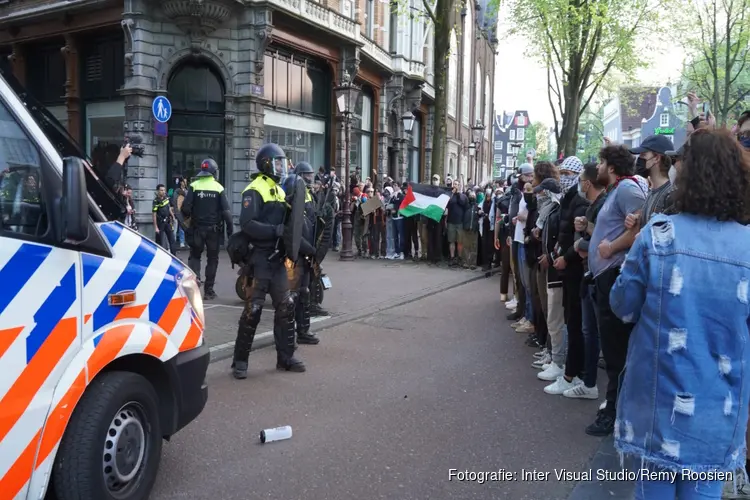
(242, 73)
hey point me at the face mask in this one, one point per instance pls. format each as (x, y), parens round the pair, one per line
(672, 174)
(640, 167)
(488, 192)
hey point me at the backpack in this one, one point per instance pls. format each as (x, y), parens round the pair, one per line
(239, 248)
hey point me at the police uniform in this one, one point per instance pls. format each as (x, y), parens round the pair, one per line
(164, 221)
(299, 275)
(264, 212)
(206, 205)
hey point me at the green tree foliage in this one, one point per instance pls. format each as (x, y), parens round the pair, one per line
(590, 134)
(581, 42)
(718, 70)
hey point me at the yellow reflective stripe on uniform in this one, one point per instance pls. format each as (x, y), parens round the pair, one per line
(207, 184)
(308, 196)
(161, 204)
(268, 189)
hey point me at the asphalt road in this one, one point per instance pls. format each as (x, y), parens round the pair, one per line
(390, 403)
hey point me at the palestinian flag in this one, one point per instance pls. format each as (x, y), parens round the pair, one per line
(423, 199)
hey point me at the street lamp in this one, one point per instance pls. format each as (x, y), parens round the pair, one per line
(477, 131)
(408, 119)
(514, 147)
(347, 95)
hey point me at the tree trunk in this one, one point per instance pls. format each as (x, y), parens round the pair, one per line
(443, 11)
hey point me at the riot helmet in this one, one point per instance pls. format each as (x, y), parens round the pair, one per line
(271, 161)
(208, 167)
(306, 172)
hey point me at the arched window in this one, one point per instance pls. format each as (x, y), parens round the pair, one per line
(487, 95)
(478, 94)
(452, 75)
(467, 49)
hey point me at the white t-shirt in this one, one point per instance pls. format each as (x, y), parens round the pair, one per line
(521, 225)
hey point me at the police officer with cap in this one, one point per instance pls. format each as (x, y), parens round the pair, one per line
(262, 219)
(299, 275)
(206, 205)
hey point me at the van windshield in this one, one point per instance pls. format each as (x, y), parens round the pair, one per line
(101, 191)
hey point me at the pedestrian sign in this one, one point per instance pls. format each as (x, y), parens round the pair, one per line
(162, 109)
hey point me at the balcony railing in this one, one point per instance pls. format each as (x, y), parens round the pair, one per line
(373, 50)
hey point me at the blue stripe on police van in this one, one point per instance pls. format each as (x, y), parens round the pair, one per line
(19, 269)
(112, 231)
(91, 264)
(161, 299)
(134, 272)
(51, 312)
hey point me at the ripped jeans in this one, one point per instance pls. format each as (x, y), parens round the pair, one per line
(682, 488)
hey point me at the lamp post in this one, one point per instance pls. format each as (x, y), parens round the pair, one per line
(347, 95)
(472, 155)
(477, 131)
(408, 120)
(515, 146)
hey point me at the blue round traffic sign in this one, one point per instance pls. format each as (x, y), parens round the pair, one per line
(162, 109)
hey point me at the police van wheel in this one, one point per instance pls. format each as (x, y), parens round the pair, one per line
(112, 446)
(240, 287)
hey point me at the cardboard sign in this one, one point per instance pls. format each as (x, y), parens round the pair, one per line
(371, 205)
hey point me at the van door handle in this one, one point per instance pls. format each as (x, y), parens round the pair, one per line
(124, 298)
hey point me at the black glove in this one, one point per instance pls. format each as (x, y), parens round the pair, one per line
(280, 230)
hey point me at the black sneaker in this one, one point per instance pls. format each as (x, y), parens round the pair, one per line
(533, 341)
(209, 295)
(514, 316)
(239, 369)
(307, 338)
(603, 426)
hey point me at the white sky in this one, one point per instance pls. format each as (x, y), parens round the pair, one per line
(521, 82)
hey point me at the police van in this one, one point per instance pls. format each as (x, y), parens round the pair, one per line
(101, 330)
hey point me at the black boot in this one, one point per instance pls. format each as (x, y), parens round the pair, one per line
(283, 335)
(245, 335)
(209, 294)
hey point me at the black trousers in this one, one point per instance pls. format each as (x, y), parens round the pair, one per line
(614, 334)
(198, 238)
(268, 278)
(434, 241)
(539, 319)
(165, 231)
(518, 288)
(411, 237)
(505, 267)
(575, 361)
(299, 283)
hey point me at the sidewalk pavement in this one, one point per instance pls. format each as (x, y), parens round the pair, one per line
(359, 288)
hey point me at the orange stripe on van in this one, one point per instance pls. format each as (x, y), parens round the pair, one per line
(20, 472)
(110, 345)
(7, 337)
(131, 312)
(86, 318)
(192, 338)
(19, 396)
(156, 345)
(171, 314)
(58, 419)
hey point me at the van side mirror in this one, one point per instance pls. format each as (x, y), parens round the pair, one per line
(74, 204)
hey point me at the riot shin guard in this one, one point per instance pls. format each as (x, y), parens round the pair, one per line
(283, 333)
(248, 324)
(303, 319)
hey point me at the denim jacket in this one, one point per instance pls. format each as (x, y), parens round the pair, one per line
(684, 401)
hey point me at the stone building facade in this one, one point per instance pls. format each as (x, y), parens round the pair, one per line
(241, 73)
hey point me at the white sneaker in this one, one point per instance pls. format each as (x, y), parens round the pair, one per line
(540, 354)
(582, 392)
(511, 304)
(551, 373)
(518, 324)
(540, 363)
(400, 256)
(604, 404)
(560, 386)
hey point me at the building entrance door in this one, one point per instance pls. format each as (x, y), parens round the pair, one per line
(196, 130)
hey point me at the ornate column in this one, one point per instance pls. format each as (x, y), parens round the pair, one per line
(383, 133)
(72, 87)
(18, 63)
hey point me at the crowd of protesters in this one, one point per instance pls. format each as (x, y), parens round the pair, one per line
(641, 258)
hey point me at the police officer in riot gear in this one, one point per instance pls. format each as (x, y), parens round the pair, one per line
(206, 205)
(299, 275)
(262, 219)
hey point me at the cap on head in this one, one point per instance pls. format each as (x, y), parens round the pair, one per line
(208, 167)
(572, 164)
(525, 169)
(658, 144)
